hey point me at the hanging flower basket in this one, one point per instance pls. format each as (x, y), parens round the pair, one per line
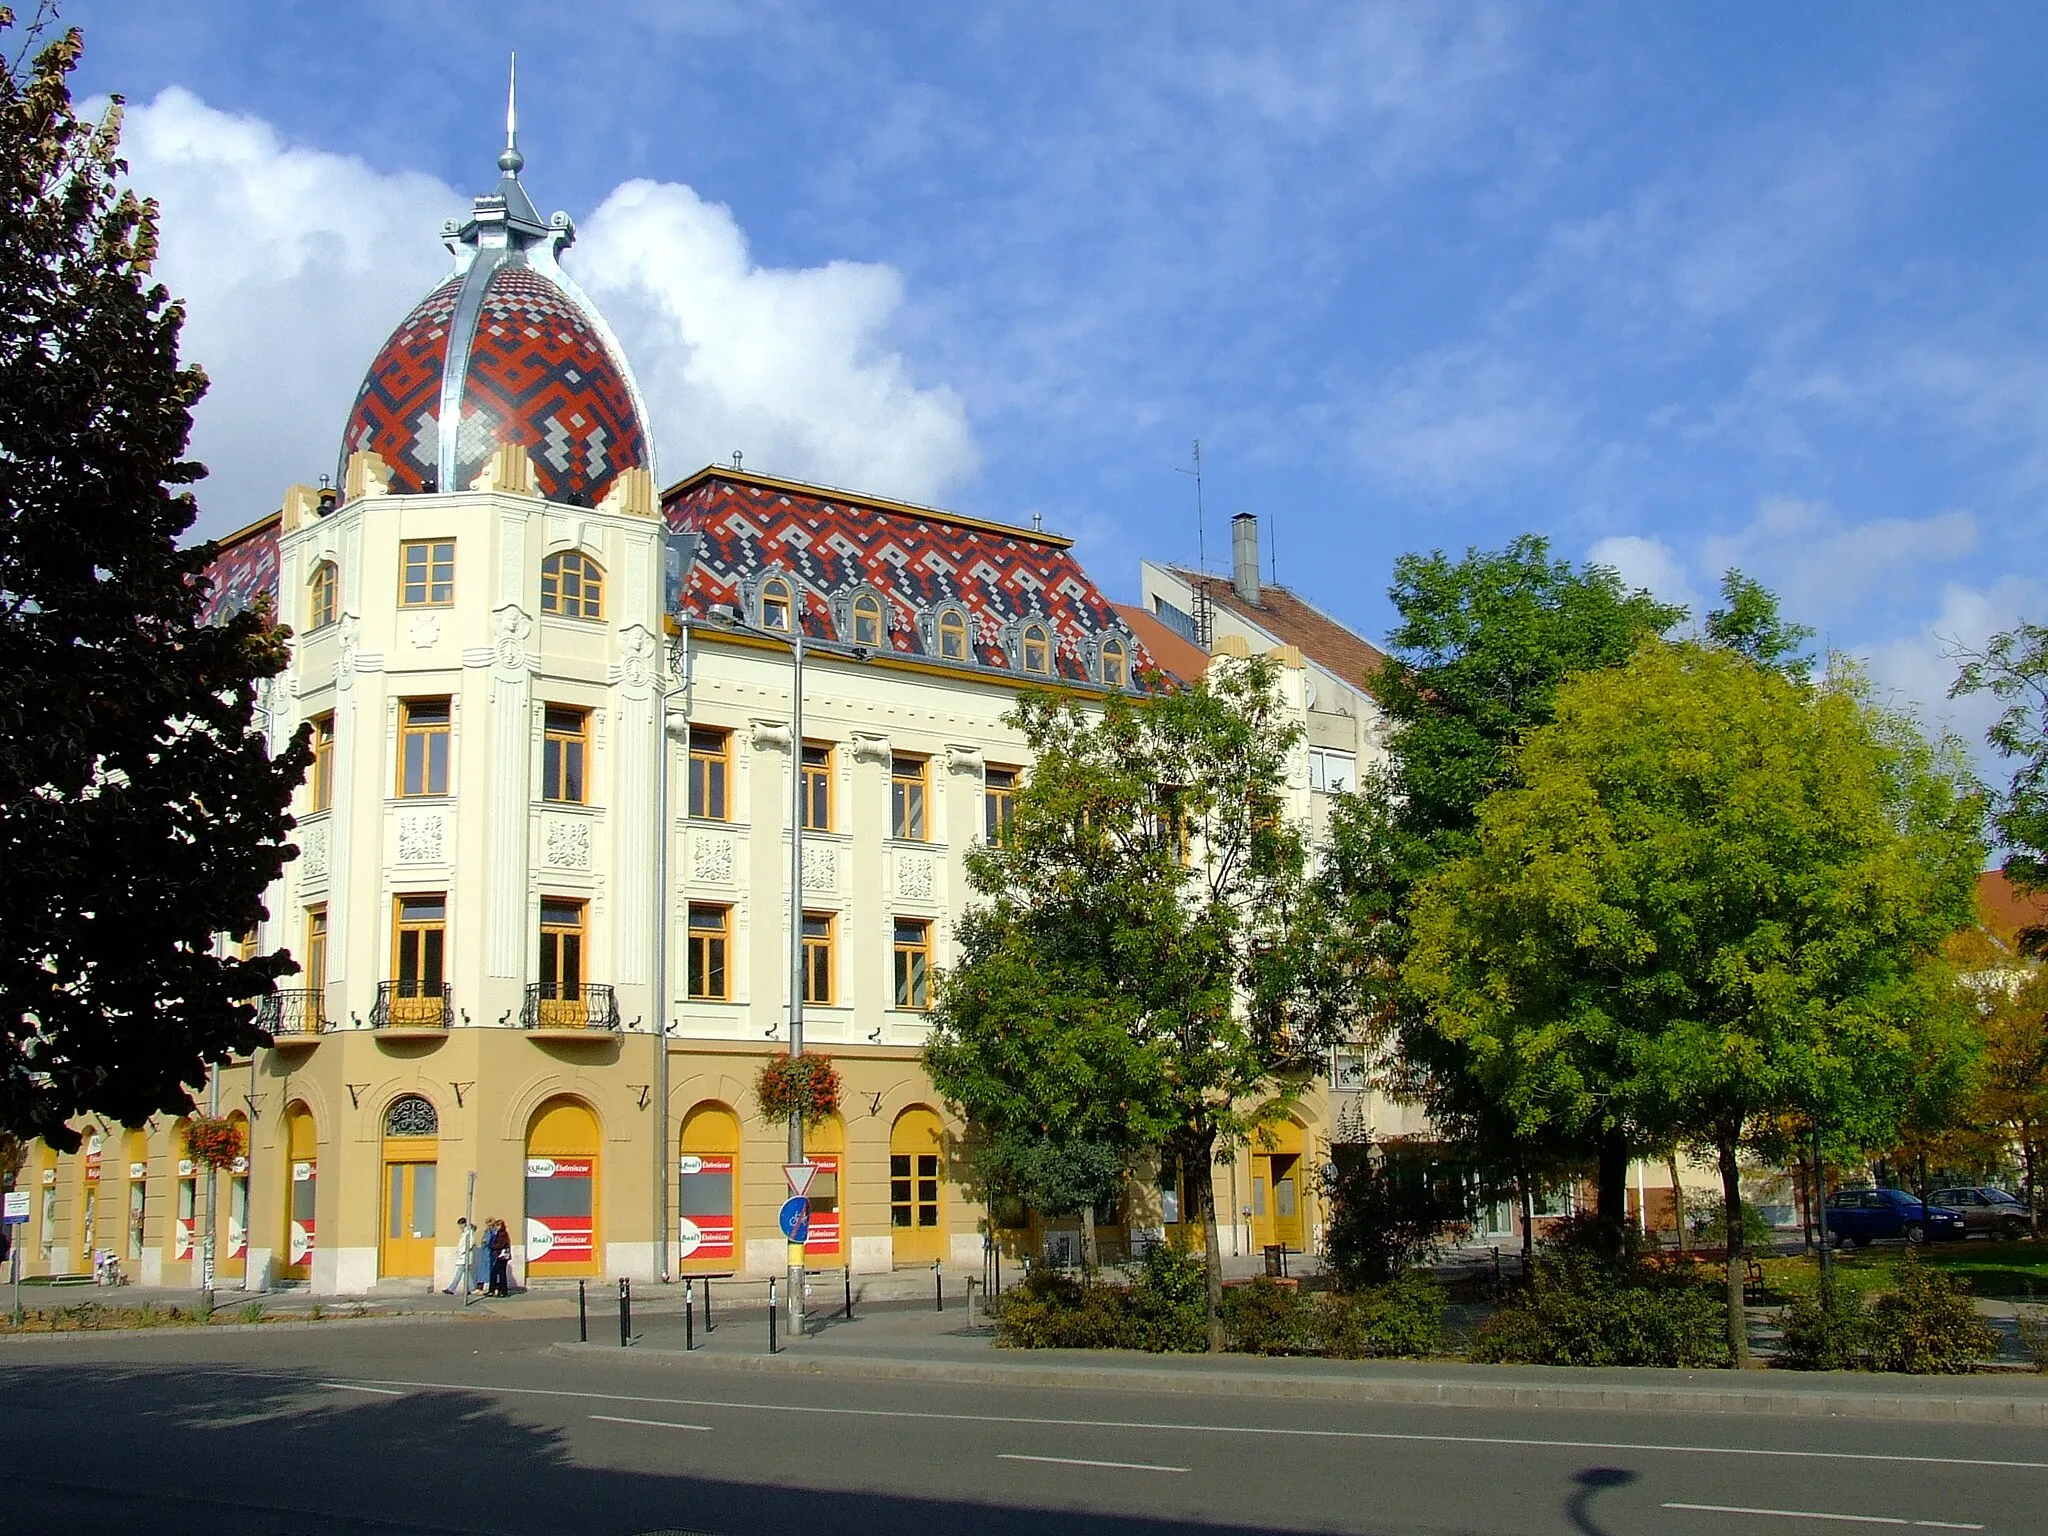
(793, 1087)
(214, 1143)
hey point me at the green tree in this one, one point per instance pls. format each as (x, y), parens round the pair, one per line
(1482, 644)
(1713, 896)
(141, 812)
(1145, 945)
(2013, 667)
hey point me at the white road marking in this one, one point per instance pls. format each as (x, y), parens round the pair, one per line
(349, 1386)
(1223, 1429)
(1076, 1461)
(606, 1418)
(1811, 1514)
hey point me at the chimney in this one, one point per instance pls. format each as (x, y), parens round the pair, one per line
(1244, 557)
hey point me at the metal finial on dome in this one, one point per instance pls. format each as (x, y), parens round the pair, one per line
(512, 161)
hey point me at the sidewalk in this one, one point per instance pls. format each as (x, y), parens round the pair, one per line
(908, 1342)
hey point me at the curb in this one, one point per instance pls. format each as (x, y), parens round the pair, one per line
(1826, 1403)
(207, 1330)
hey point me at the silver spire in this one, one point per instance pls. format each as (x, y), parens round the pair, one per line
(511, 161)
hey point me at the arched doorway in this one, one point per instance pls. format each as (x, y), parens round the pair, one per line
(231, 1252)
(412, 1131)
(1278, 1193)
(916, 1192)
(707, 1189)
(561, 1190)
(825, 1146)
(302, 1154)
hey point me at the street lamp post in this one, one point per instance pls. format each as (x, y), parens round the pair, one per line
(796, 931)
(678, 686)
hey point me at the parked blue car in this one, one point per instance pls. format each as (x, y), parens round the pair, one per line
(1858, 1215)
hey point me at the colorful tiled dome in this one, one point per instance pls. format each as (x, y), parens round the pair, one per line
(534, 365)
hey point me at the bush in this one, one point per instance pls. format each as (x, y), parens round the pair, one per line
(2033, 1332)
(1579, 1310)
(1405, 1317)
(1390, 1208)
(1826, 1330)
(1265, 1318)
(1164, 1309)
(1168, 1306)
(1927, 1326)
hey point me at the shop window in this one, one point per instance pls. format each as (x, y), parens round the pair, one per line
(952, 636)
(710, 770)
(423, 729)
(913, 955)
(818, 936)
(867, 619)
(426, 573)
(564, 751)
(998, 802)
(906, 799)
(320, 776)
(323, 596)
(710, 937)
(572, 585)
(817, 795)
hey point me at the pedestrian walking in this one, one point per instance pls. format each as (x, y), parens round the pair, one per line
(465, 1258)
(500, 1241)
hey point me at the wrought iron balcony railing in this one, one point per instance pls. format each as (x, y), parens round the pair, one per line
(570, 1005)
(413, 1005)
(294, 1011)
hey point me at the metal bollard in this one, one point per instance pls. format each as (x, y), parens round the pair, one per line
(625, 1312)
(939, 1285)
(582, 1315)
(689, 1315)
(970, 1303)
(771, 1317)
(848, 1273)
(707, 1303)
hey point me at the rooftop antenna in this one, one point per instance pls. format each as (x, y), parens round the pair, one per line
(511, 161)
(1203, 623)
(1273, 548)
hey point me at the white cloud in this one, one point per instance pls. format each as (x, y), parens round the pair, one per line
(1827, 570)
(790, 367)
(295, 263)
(1456, 420)
(1652, 565)
(1914, 671)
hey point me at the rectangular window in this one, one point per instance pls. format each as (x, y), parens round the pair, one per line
(426, 573)
(420, 957)
(710, 764)
(320, 777)
(710, 933)
(315, 975)
(818, 958)
(561, 961)
(906, 799)
(423, 747)
(998, 802)
(913, 963)
(563, 755)
(817, 796)
(1334, 773)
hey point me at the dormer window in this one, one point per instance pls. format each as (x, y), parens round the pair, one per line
(952, 636)
(323, 596)
(1037, 649)
(1116, 671)
(775, 604)
(867, 619)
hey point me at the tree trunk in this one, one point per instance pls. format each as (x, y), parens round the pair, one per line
(1090, 1261)
(2028, 1151)
(1731, 1206)
(1612, 1195)
(1199, 1172)
(1677, 1197)
(1526, 1198)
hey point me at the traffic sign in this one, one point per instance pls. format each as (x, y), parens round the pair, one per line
(15, 1210)
(799, 1176)
(795, 1218)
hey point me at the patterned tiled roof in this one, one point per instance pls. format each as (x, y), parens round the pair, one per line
(243, 570)
(919, 561)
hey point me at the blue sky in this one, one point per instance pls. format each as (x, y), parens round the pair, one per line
(1675, 286)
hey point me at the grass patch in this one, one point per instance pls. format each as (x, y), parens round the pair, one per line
(2012, 1271)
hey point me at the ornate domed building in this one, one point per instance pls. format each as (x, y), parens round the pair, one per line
(505, 350)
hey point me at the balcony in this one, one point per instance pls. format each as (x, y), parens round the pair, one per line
(570, 1005)
(294, 1015)
(413, 1007)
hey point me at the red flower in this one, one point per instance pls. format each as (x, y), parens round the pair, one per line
(804, 1086)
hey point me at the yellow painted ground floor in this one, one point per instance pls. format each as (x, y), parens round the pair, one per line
(365, 1148)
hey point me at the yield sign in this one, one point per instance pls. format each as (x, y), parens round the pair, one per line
(799, 1176)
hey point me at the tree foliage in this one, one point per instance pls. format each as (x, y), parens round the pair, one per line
(2013, 667)
(1139, 967)
(1713, 894)
(141, 812)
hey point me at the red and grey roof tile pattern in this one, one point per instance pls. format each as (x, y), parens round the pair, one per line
(397, 413)
(243, 571)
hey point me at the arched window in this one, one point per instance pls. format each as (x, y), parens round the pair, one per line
(775, 603)
(324, 597)
(867, 619)
(572, 584)
(1037, 650)
(1115, 671)
(411, 1115)
(952, 636)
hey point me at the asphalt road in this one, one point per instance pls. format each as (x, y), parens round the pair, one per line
(472, 1427)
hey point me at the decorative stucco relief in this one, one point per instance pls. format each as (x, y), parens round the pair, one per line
(821, 867)
(567, 840)
(711, 860)
(420, 837)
